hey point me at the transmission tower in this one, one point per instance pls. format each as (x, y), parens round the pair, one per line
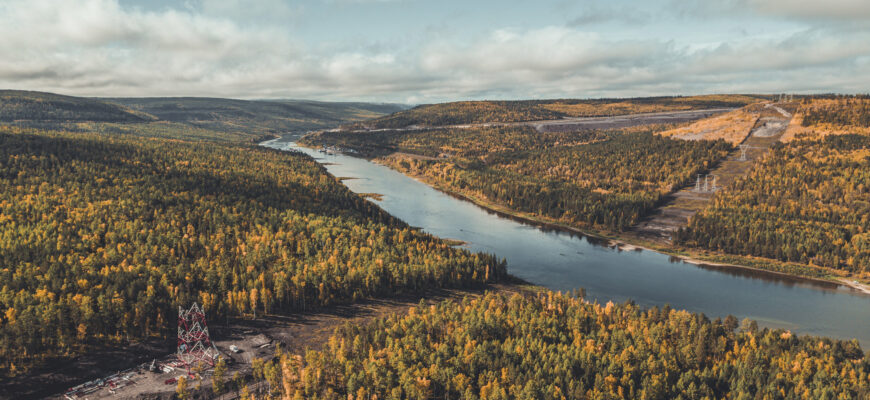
(743, 149)
(194, 344)
(709, 183)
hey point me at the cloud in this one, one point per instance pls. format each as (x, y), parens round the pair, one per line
(593, 14)
(804, 10)
(565, 62)
(547, 51)
(811, 9)
(100, 48)
(257, 12)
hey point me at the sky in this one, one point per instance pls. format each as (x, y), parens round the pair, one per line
(423, 51)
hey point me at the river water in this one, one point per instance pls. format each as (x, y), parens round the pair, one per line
(564, 261)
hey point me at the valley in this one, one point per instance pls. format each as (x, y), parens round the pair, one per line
(287, 254)
(418, 200)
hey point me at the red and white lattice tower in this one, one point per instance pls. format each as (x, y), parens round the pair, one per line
(194, 345)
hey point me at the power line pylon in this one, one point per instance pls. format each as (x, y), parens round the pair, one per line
(194, 344)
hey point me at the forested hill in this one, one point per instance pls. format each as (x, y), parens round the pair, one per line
(25, 106)
(807, 201)
(190, 118)
(261, 116)
(557, 347)
(102, 236)
(470, 112)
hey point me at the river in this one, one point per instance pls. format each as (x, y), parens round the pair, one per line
(565, 261)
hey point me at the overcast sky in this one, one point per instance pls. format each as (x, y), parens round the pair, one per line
(416, 51)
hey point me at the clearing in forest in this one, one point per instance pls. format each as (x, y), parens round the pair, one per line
(768, 126)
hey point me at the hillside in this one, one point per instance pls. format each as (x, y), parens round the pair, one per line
(255, 116)
(820, 116)
(553, 346)
(103, 236)
(588, 179)
(190, 118)
(731, 127)
(807, 201)
(24, 106)
(475, 112)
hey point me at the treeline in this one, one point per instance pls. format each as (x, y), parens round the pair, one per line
(469, 112)
(807, 201)
(554, 346)
(590, 178)
(450, 142)
(103, 236)
(844, 111)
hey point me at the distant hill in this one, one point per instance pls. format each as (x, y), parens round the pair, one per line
(260, 116)
(18, 106)
(189, 118)
(473, 112)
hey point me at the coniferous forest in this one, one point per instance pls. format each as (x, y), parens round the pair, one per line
(807, 201)
(434, 200)
(103, 236)
(553, 346)
(107, 229)
(593, 178)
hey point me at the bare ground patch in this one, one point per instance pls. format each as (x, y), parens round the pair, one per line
(257, 337)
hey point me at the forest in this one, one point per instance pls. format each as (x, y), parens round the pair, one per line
(106, 226)
(471, 112)
(842, 111)
(102, 236)
(807, 201)
(189, 118)
(254, 117)
(557, 346)
(592, 178)
(478, 142)
(16, 105)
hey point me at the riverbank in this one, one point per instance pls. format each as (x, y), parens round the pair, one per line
(628, 241)
(610, 267)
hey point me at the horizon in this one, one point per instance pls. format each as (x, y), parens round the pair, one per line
(278, 99)
(418, 52)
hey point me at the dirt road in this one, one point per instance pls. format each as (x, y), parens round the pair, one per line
(687, 201)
